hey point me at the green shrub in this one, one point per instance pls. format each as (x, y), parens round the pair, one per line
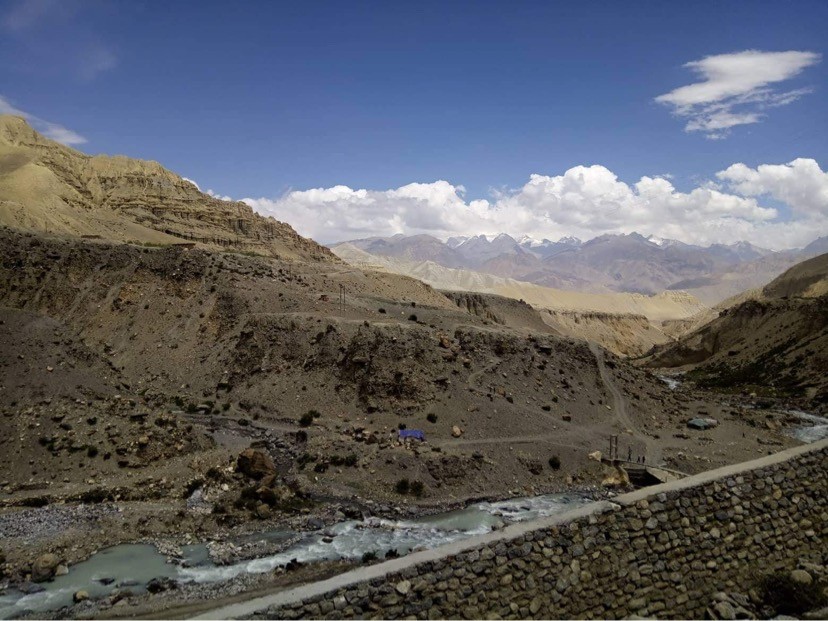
(555, 462)
(412, 317)
(403, 486)
(306, 420)
(432, 417)
(417, 488)
(351, 460)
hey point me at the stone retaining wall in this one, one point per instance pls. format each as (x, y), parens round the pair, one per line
(661, 551)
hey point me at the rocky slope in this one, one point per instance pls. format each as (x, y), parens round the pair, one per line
(775, 343)
(46, 186)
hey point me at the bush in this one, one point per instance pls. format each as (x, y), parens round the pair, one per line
(412, 318)
(213, 473)
(401, 426)
(320, 467)
(417, 488)
(555, 462)
(381, 311)
(369, 556)
(403, 486)
(225, 407)
(315, 413)
(301, 436)
(306, 420)
(432, 418)
(351, 460)
(91, 451)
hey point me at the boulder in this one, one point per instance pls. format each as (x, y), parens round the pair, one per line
(596, 456)
(44, 567)
(157, 585)
(456, 432)
(255, 463)
(80, 596)
(701, 424)
(800, 576)
(618, 477)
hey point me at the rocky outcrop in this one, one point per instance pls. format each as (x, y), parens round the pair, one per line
(48, 186)
(255, 463)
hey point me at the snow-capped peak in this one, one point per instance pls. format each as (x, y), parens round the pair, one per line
(570, 240)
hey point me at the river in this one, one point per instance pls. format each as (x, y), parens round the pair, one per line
(134, 565)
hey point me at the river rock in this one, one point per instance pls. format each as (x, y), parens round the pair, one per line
(80, 596)
(456, 432)
(61, 570)
(44, 567)
(255, 463)
(800, 576)
(29, 588)
(702, 424)
(157, 585)
(403, 587)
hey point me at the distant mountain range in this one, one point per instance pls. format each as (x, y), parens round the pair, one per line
(630, 263)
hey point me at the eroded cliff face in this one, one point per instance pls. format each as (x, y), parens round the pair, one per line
(50, 187)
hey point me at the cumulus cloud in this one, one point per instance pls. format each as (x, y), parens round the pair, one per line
(736, 89)
(51, 130)
(584, 201)
(801, 184)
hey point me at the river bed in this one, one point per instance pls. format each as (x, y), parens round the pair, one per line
(134, 565)
(814, 429)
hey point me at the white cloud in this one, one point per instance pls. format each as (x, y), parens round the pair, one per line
(801, 184)
(218, 196)
(736, 89)
(585, 201)
(51, 130)
(198, 187)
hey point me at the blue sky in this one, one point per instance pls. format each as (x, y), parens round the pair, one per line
(255, 99)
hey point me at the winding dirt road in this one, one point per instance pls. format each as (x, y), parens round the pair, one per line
(619, 408)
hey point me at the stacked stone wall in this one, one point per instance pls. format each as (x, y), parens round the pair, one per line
(659, 552)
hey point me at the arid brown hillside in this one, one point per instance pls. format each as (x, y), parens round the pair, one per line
(45, 186)
(257, 339)
(775, 345)
(137, 375)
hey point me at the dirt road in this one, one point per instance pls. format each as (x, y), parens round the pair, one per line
(620, 410)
